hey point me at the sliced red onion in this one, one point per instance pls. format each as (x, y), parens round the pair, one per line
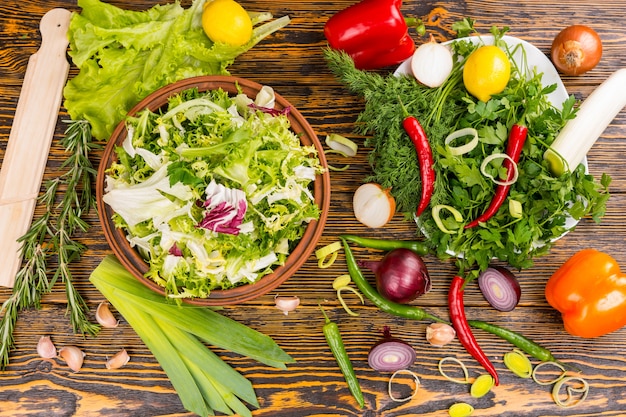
(390, 354)
(500, 288)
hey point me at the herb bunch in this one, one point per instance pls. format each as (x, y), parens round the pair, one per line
(548, 202)
(52, 236)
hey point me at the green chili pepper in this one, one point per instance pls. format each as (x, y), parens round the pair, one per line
(401, 310)
(333, 338)
(418, 247)
(532, 348)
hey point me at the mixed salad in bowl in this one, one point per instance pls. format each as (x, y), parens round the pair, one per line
(213, 190)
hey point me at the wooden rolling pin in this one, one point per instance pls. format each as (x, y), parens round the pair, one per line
(29, 142)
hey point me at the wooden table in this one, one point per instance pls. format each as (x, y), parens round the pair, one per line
(291, 61)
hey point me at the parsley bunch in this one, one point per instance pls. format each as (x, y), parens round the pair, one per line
(548, 202)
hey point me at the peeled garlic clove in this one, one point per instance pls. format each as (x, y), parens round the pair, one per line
(287, 304)
(73, 356)
(440, 334)
(104, 316)
(45, 348)
(118, 360)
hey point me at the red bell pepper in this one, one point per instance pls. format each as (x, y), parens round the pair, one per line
(373, 32)
(369, 59)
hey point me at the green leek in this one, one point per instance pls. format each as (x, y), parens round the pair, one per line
(175, 335)
(592, 118)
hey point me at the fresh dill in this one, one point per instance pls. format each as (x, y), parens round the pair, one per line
(548, 202)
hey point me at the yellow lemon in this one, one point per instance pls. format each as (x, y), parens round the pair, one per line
(486, 72)
(225, 21)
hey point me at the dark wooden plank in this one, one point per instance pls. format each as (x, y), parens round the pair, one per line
(292, 62)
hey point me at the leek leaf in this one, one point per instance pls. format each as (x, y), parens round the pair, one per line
(204, 323)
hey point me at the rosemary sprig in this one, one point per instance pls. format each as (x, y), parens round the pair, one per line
(52, 235)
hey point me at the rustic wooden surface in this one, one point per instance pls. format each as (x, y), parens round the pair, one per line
(291, 62)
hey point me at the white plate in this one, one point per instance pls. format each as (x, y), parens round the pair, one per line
(535, 59)
(532, 59)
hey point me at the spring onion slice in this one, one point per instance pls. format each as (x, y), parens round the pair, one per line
(518, 363)
(341, 145)
(327, 255)
(551, 381)
(487, 160)
(515, 209)
(465, 148)
(437, 216)
(460, 410)
(337, 169)
(570, 400)
(481, 386)
(342, 282)
(407, 372)
(465, 380)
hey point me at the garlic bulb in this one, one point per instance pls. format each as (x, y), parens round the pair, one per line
(45, 348)
(432, 63)
(73, 356)
(118, 360)
(104, 315)
(440, 334)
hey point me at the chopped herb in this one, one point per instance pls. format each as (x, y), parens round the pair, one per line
(548, 202)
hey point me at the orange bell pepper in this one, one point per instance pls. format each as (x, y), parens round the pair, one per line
(590, 292)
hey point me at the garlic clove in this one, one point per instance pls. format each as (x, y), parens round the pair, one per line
(440, 334)
(45, 348)
(287, 304)
(105, 317)
(118, 360)
(73, 356)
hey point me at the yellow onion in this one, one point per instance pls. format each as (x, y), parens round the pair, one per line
(576, 50)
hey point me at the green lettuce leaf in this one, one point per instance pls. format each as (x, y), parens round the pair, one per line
(124, 55)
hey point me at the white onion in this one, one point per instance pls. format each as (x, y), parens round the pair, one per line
(432, 63)
(373, 206)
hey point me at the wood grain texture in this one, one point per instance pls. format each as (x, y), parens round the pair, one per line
(291, 61)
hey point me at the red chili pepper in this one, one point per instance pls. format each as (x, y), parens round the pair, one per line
(425, 157)
(373, 32)
(517, 138)
(463, 330)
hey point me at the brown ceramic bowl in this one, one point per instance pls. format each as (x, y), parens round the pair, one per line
(132, 260)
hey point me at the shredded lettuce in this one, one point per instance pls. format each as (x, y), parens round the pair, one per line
(124, 55)
(214, 193)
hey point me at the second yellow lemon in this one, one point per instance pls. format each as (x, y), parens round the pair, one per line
(487, 71)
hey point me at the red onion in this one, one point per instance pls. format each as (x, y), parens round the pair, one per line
(500, 288)
(401, 276)
(390, 354)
